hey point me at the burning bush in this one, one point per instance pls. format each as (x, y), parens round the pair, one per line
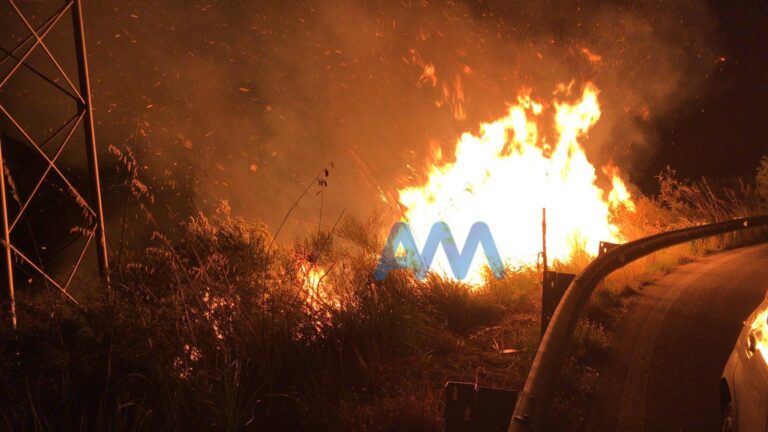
(217, 326)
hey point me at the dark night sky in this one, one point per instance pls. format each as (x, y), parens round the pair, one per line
(723, 131)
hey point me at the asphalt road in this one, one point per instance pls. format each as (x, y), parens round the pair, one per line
(672, 343)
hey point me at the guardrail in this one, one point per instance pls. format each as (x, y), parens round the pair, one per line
(535, 399)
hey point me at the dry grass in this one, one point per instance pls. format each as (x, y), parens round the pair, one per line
(212, 329)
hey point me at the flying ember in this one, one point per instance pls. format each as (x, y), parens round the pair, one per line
(507, 173)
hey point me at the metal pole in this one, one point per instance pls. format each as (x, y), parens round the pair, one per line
(7, 242)
(90, 138)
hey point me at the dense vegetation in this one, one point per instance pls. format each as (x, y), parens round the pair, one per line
(216, 327)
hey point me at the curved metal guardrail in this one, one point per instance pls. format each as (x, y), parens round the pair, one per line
(535, 399)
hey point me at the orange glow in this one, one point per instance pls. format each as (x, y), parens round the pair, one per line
(619, 195)
(508, 172)
(452, 90)
(760, 331)
(592, 57)
(316, 288)
(428, 75)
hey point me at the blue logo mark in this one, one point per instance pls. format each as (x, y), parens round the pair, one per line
(439, 234)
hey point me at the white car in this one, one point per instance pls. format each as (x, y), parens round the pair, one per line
(744, 385)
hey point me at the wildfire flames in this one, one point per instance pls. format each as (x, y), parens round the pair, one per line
(512, 169)
(317, 295)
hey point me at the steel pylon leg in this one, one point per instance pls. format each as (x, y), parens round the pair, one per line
(90, 138)
(7, 251)
(82, 97)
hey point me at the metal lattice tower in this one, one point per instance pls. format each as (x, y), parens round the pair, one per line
(15, 60)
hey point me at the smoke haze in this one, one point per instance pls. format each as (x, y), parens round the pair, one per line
(247, 101)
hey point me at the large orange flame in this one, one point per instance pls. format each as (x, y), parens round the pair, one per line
(507, 173)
